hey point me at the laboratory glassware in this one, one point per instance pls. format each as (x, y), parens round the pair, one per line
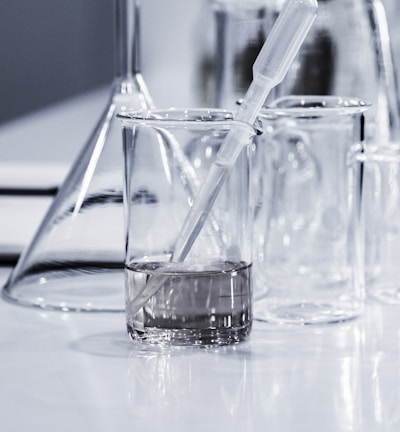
(75, 260)
(348, 53)
(309, 249)
(269, 69)
(206, 299)
(241, 28)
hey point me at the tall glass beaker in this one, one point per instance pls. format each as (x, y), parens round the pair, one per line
(241, 30)
(393, 12)
(308, 255)
(75, 260)
(205, 297)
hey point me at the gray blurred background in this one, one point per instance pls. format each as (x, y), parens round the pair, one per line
(51, 50)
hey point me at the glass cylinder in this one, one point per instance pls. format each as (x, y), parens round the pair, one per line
(241, 30)
(308, 250)
(205, 297)
(381, 218)
(392, 8)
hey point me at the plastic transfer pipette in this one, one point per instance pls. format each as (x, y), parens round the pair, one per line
(269, 69)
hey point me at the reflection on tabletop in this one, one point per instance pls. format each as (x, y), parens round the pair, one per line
(26, 191)
(305, 378)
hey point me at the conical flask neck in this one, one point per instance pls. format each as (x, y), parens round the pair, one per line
(127, 35)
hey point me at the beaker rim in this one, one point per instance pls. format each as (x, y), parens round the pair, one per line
(312, 106)
(186, 116)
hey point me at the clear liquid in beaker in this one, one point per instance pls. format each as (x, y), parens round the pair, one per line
(203, 306)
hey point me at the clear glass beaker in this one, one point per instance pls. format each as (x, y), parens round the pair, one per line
(308, 250)
(75, 260)
(206, 298)
(380, 214)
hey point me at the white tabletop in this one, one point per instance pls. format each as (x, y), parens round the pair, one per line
(79, 372)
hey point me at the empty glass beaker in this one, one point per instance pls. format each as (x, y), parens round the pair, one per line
(241, 30)
(381, 217)
(308, 250)
(75, 261)
(206, 298)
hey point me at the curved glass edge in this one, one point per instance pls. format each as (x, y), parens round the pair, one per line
(192, 117)
(177, 115)
(311, 106)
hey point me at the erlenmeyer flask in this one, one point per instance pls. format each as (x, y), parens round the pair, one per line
(75, 261)
(348, 53)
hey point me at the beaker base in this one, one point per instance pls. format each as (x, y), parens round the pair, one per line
(306, 312)
(190, 337)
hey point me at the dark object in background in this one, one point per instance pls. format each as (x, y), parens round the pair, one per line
(51, 50)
